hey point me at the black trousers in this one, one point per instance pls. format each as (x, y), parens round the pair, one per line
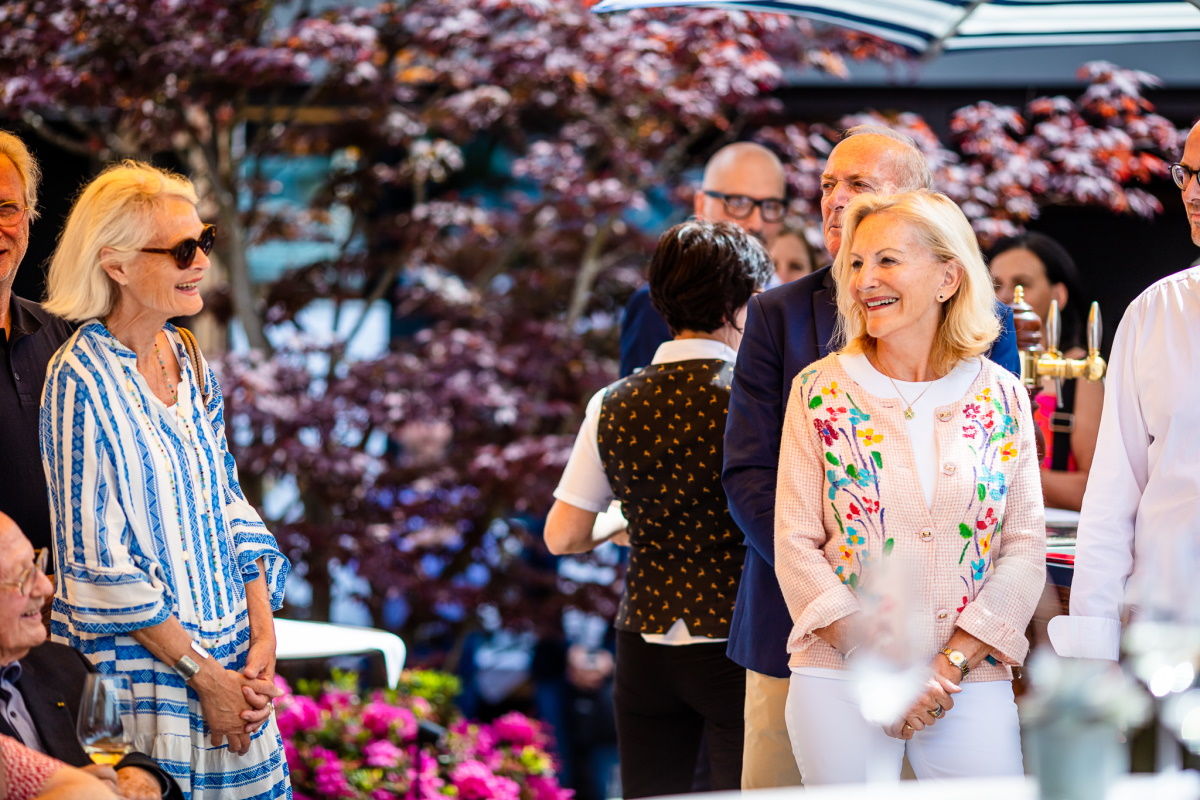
(666, 698)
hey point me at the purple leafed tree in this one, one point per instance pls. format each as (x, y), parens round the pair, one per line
(489, 161)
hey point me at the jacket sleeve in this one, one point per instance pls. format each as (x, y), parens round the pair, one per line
(815, 595)
(1104, 555)
(1004, 350)
(752, 432)
(642, 330)
(1000, 613)
(251, 538)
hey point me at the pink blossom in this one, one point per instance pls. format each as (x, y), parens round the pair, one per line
(516, 728)
(333, 699)
(382, 753)
(544, 787)
(297, 715)
(474, 781)
(381, 719)
(329, 778)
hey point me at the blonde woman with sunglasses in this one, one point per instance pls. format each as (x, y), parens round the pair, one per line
(166, 572)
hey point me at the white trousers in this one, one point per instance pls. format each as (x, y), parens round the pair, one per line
(979, 737)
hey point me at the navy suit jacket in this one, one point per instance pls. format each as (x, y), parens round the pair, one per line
(787, 328)
(642, 330)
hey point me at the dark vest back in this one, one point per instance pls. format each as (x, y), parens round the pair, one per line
(660, 434)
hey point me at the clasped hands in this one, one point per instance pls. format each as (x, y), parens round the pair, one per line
(236, 704)
(934, 702)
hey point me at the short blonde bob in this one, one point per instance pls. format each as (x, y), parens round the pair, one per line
(115, 210)
(969, 324)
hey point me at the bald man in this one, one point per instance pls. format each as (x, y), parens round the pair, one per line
(743, 184)
(786, 330)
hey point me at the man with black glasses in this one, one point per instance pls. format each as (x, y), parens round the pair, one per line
(30, 338)
(1137, 529)
(743, 184)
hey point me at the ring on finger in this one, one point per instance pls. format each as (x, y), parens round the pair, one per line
(937, 713)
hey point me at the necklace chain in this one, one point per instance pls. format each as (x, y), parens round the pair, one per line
(166, 376)
(908, 408)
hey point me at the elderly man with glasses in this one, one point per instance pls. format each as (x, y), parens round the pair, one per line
(1137, 528)
(30, 337)
(743, 184)
(41, 682)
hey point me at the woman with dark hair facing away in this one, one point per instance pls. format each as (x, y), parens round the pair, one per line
(1069, 423)
(653, 440)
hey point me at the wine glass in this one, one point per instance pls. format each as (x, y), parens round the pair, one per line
(105, 715)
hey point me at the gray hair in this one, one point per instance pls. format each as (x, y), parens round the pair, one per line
(27, 167)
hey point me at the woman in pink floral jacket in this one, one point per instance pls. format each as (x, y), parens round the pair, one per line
(909, 446)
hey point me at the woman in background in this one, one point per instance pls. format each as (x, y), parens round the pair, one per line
(1069, 423)
(654, 441)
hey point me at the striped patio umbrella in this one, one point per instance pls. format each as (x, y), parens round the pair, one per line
(931, 26)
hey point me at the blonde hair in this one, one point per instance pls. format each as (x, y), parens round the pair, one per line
(116, 210)
(968, 325)
(27, 167)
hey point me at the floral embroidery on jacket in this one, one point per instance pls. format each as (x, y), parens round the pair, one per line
(991, 429)
(852, 472)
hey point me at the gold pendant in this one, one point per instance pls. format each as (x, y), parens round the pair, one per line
(908, 413)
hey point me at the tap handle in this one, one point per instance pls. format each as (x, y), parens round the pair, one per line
(1093, 329)
(1052, 327)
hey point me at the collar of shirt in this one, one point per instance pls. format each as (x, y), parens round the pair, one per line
(23, 319)
(691, 349)
(9, 675)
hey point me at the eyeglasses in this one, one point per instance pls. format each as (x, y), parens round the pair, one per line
(184, 253)
(739, 206)
(11, 213)
(28, 579)
(1182, 175)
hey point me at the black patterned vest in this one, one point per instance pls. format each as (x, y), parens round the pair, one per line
(660, 435)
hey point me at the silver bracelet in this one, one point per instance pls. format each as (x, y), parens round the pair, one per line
(846, 655)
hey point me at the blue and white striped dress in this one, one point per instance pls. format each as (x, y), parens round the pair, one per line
(150, 522)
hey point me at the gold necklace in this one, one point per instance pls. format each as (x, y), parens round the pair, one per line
(908, 409)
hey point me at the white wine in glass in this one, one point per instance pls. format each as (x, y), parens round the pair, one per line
(105, 718)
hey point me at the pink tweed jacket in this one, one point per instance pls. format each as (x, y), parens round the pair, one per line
(848, 496)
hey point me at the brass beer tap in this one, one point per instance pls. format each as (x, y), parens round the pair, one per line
(1048, 362)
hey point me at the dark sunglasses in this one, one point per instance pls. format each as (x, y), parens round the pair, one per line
(184, 253)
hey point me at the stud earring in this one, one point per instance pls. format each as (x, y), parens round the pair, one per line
(941, 297)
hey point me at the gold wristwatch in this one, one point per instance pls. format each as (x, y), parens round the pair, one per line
(956, 658)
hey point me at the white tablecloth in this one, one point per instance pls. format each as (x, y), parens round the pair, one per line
(1179, 786)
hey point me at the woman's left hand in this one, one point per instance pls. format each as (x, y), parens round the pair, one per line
(260, 665)
(933, 703)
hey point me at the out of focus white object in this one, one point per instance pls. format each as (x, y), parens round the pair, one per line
(608, 522)
(296, 639)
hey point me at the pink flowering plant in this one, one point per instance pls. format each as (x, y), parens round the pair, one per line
(341, 745)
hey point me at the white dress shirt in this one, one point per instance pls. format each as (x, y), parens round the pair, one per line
(584, 483)
(1137, 542)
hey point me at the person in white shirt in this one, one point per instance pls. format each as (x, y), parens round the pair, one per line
(654, 441)
(1136, 541)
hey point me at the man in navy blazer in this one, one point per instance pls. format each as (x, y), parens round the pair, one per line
(788, 328)
(744, 184)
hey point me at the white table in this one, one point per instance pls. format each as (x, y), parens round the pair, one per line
(296, 639)
(1179, 786)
